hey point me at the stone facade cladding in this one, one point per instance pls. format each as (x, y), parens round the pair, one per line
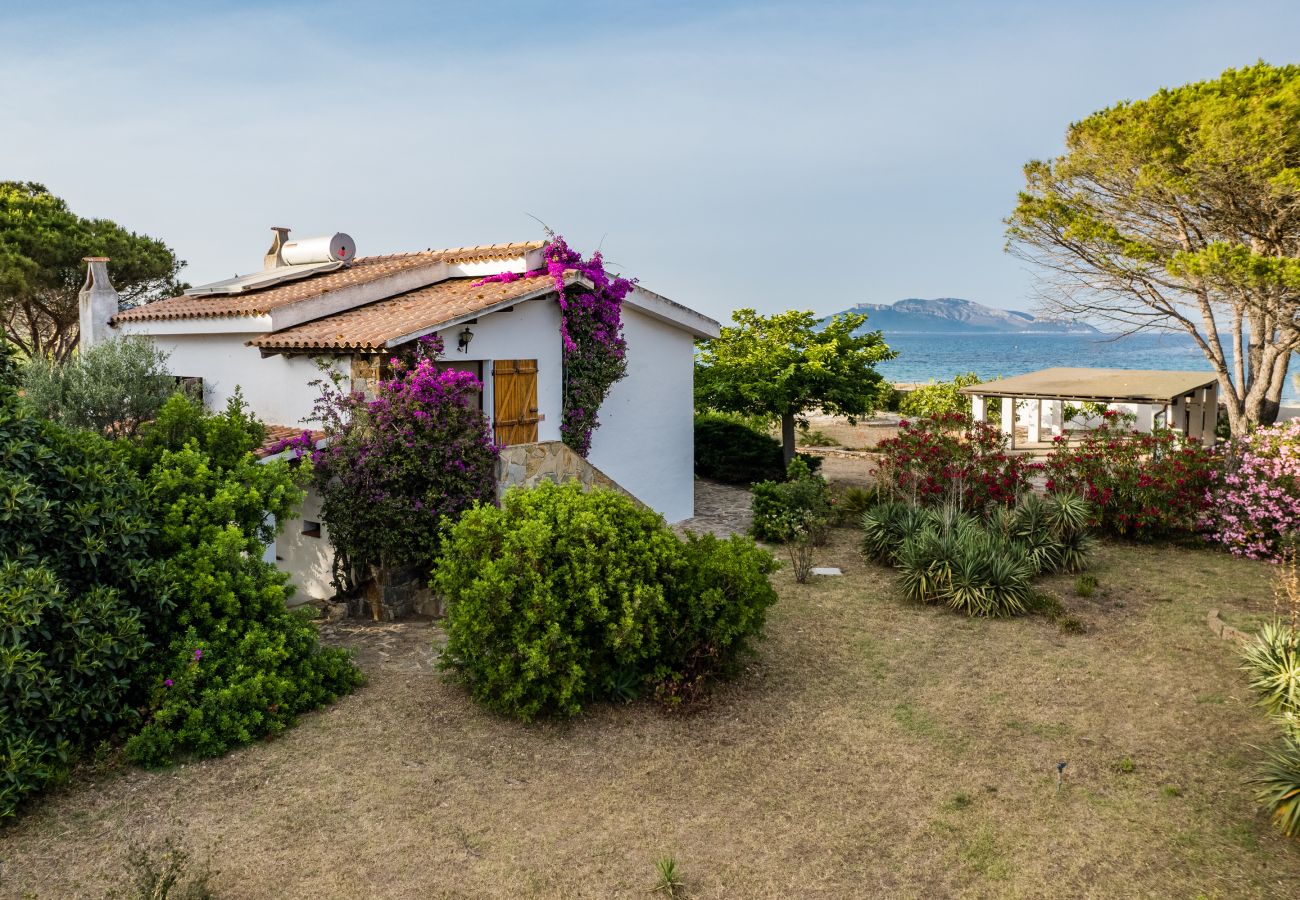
(528, 465)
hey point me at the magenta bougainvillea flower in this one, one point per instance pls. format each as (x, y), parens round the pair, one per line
(591, 331)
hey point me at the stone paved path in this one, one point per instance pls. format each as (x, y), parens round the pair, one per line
(720, 509)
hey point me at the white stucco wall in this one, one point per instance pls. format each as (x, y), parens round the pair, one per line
(529, 331)
(646, 438)
(308, 560)
(277, 389)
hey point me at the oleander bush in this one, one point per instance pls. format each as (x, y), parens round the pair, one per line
(559, 598)
(1142, 485)
(949, 458)
(134, 600)
(1254, 509)
(75, 594)
(801, 504)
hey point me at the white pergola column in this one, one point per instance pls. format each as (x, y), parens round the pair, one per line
(978, 408)
(1035, 421)
(1008, 424)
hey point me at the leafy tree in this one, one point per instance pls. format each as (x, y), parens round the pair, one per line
(782, 365)
(1182, 212)
(75, 594)
(112, 388)
(42, 244)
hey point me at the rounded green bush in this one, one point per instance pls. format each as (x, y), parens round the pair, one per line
(733, 453)
(560, 596)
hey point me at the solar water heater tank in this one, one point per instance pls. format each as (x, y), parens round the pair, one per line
(335, 248)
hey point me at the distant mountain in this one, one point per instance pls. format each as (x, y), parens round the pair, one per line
(951, 315)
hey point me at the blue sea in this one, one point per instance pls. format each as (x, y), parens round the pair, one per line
(923, 357)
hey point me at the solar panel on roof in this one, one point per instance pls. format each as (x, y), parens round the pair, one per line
(258, 280)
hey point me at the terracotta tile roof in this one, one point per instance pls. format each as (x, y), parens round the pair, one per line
(371, 326)
(278, 434)
(362, 270)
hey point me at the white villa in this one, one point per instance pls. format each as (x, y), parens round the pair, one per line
(314, 300)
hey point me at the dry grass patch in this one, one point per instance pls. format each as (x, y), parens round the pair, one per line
(872, 748)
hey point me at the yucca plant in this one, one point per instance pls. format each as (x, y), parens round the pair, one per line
(991, 577)
(1278, 787)
(926, 560)
(1272, 661)
(882, 529)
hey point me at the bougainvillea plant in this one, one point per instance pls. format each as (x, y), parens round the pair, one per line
(1142, 484)
(591, 332)
(1255, 509)
(393, 467)
(949, 458)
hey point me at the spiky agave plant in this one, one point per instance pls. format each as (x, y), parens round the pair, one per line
(926, 561)
(1278, 787)
(1272, 660)
(882, 529)
(991, 577)
(1068, 512)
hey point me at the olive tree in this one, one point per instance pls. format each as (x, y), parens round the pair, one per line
(1181, 212)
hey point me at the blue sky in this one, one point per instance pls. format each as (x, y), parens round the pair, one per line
(774, 155)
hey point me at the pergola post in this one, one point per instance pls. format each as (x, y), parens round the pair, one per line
(1008, 424)
(978, 408)
(1035, 421)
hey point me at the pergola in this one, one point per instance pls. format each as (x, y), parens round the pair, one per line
(1187, 402)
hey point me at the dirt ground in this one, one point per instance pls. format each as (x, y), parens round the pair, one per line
(872, 748)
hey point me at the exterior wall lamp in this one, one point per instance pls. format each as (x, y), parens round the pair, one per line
(462, 342)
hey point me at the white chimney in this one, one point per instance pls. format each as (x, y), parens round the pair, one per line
(98, 300)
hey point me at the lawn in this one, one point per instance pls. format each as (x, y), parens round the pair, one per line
(873, 748)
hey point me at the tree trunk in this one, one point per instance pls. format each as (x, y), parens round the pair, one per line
(787, 438)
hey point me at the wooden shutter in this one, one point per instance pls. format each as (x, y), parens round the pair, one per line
(514, 400)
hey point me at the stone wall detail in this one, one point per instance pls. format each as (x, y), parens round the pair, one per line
(528, 465)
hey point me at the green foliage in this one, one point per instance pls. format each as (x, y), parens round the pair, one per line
(1278, 786)
(939, 398)
(240, 664)
(1085, 585)
(783, 364)
(1187, 194)
(42, 244)
(1272, 661)
(670, 882)
(560, 596)
(163, 871)
(73, 539)
(782, 508)
(133, 590)
(727, 451)
(979, 566)
(112, 388)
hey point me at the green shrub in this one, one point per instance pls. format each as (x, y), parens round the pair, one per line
(733, 453)
(559, 597)
(73, 573)
(852, 502)
(234, 663)
(802, 501)
(112, 388)
(938, 398)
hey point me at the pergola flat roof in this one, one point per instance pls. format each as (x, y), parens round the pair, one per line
(1114, 385)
